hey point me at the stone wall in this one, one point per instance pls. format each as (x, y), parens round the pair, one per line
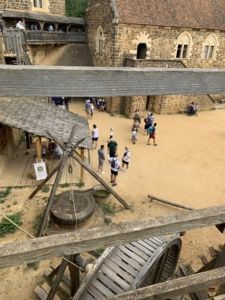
(57, 7)
(16, 4)
(99, 15)
(2, 61)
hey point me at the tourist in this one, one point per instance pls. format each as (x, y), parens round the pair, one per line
(88, 106)
(126, 158)
(92, 108)
(58, 153)
(134, 136)
(192, 109)
(19, 25)
(112, 147)
(151, 133)
(115, 166)
(50, 28)
(137, 117)
(135, 126)
(149, 120)
(95, 136)
(44, 150)
(101, 159)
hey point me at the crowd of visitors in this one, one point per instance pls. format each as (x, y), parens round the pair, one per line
(62, 102)
(91, 103)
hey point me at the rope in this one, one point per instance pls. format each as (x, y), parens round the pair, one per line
(33, 237)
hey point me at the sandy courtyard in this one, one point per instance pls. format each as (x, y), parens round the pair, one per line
(187, 167)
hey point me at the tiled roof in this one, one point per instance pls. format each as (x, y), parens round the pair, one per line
(40, 117)
(206, 14)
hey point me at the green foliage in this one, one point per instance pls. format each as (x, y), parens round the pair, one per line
(108, 208)
(76, 8)
(99, 251)
(7, 227)
(45, 189)
(4, 194)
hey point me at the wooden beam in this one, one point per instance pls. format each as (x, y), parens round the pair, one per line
(167, 202)
(38, 249)
(176, 287)
(85, 81)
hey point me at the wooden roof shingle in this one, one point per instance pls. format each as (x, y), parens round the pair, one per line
(40, 117)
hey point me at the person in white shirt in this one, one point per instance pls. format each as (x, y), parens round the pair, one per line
(126, 158)
(115, 166)
(95, 136)
(19, 25)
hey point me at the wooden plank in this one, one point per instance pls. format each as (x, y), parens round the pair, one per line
(142, 248)
(21, 252)
(131, 254)
(116, 268)
(110, 283)
(40, 293)
(137, 251)
(95, 293)
(108, 81)
(117, 260)
(102, 288)
(127, 259)
(167, 202)
(176, 287)
(114, 277)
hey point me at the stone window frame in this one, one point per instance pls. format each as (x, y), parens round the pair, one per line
(100, 40)
(183, 45)
(42, 5)
(210, 47)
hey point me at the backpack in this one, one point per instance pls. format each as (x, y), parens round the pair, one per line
(113, 163)
(151, 129)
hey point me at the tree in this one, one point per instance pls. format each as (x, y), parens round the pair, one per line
(76, 8)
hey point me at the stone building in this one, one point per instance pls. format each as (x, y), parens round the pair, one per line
(157, 33)
(55, 7)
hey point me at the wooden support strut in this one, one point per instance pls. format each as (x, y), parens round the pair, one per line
(40, 186)
(77, 157)
(176, 287)
(66, 154)
(169, 202)
(21, 252)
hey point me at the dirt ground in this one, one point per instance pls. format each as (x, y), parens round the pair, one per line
(187, 167)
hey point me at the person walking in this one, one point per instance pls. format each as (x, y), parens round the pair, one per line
(115, 166)
(151, 133)
(126, 158)
(101, 159)
(95, 136)
(92, 108)
(112, 147)
(134, 136)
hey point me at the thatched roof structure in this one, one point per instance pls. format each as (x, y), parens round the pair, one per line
(40, 117)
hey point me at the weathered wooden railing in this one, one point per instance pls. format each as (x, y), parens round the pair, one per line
(14, 41)
(71, 81)
(45, 37)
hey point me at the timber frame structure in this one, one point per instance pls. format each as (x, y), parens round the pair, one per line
(24, 81)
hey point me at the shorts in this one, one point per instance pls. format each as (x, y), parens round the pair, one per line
(125, 162)
(112, 154)
(152, 136)
(101, 162)
(94, 139)
(115, 173)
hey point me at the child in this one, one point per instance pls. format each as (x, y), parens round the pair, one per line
(151, 133)
(134, 136)
(126, 158)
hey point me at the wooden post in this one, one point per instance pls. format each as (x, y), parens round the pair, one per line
(57, 280)
(40, 186)
(151, 197)
(66, 154)
(74, 276)
(38, 148)
(81, 167)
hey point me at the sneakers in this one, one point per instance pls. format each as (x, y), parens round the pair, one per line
(102, 172)
(114, 184)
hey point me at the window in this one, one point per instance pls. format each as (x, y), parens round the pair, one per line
(209, 47)
(183, 46)
(141, 51)
(38, 3)
(100, 41)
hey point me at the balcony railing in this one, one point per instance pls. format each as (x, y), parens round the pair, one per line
(45, 37)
